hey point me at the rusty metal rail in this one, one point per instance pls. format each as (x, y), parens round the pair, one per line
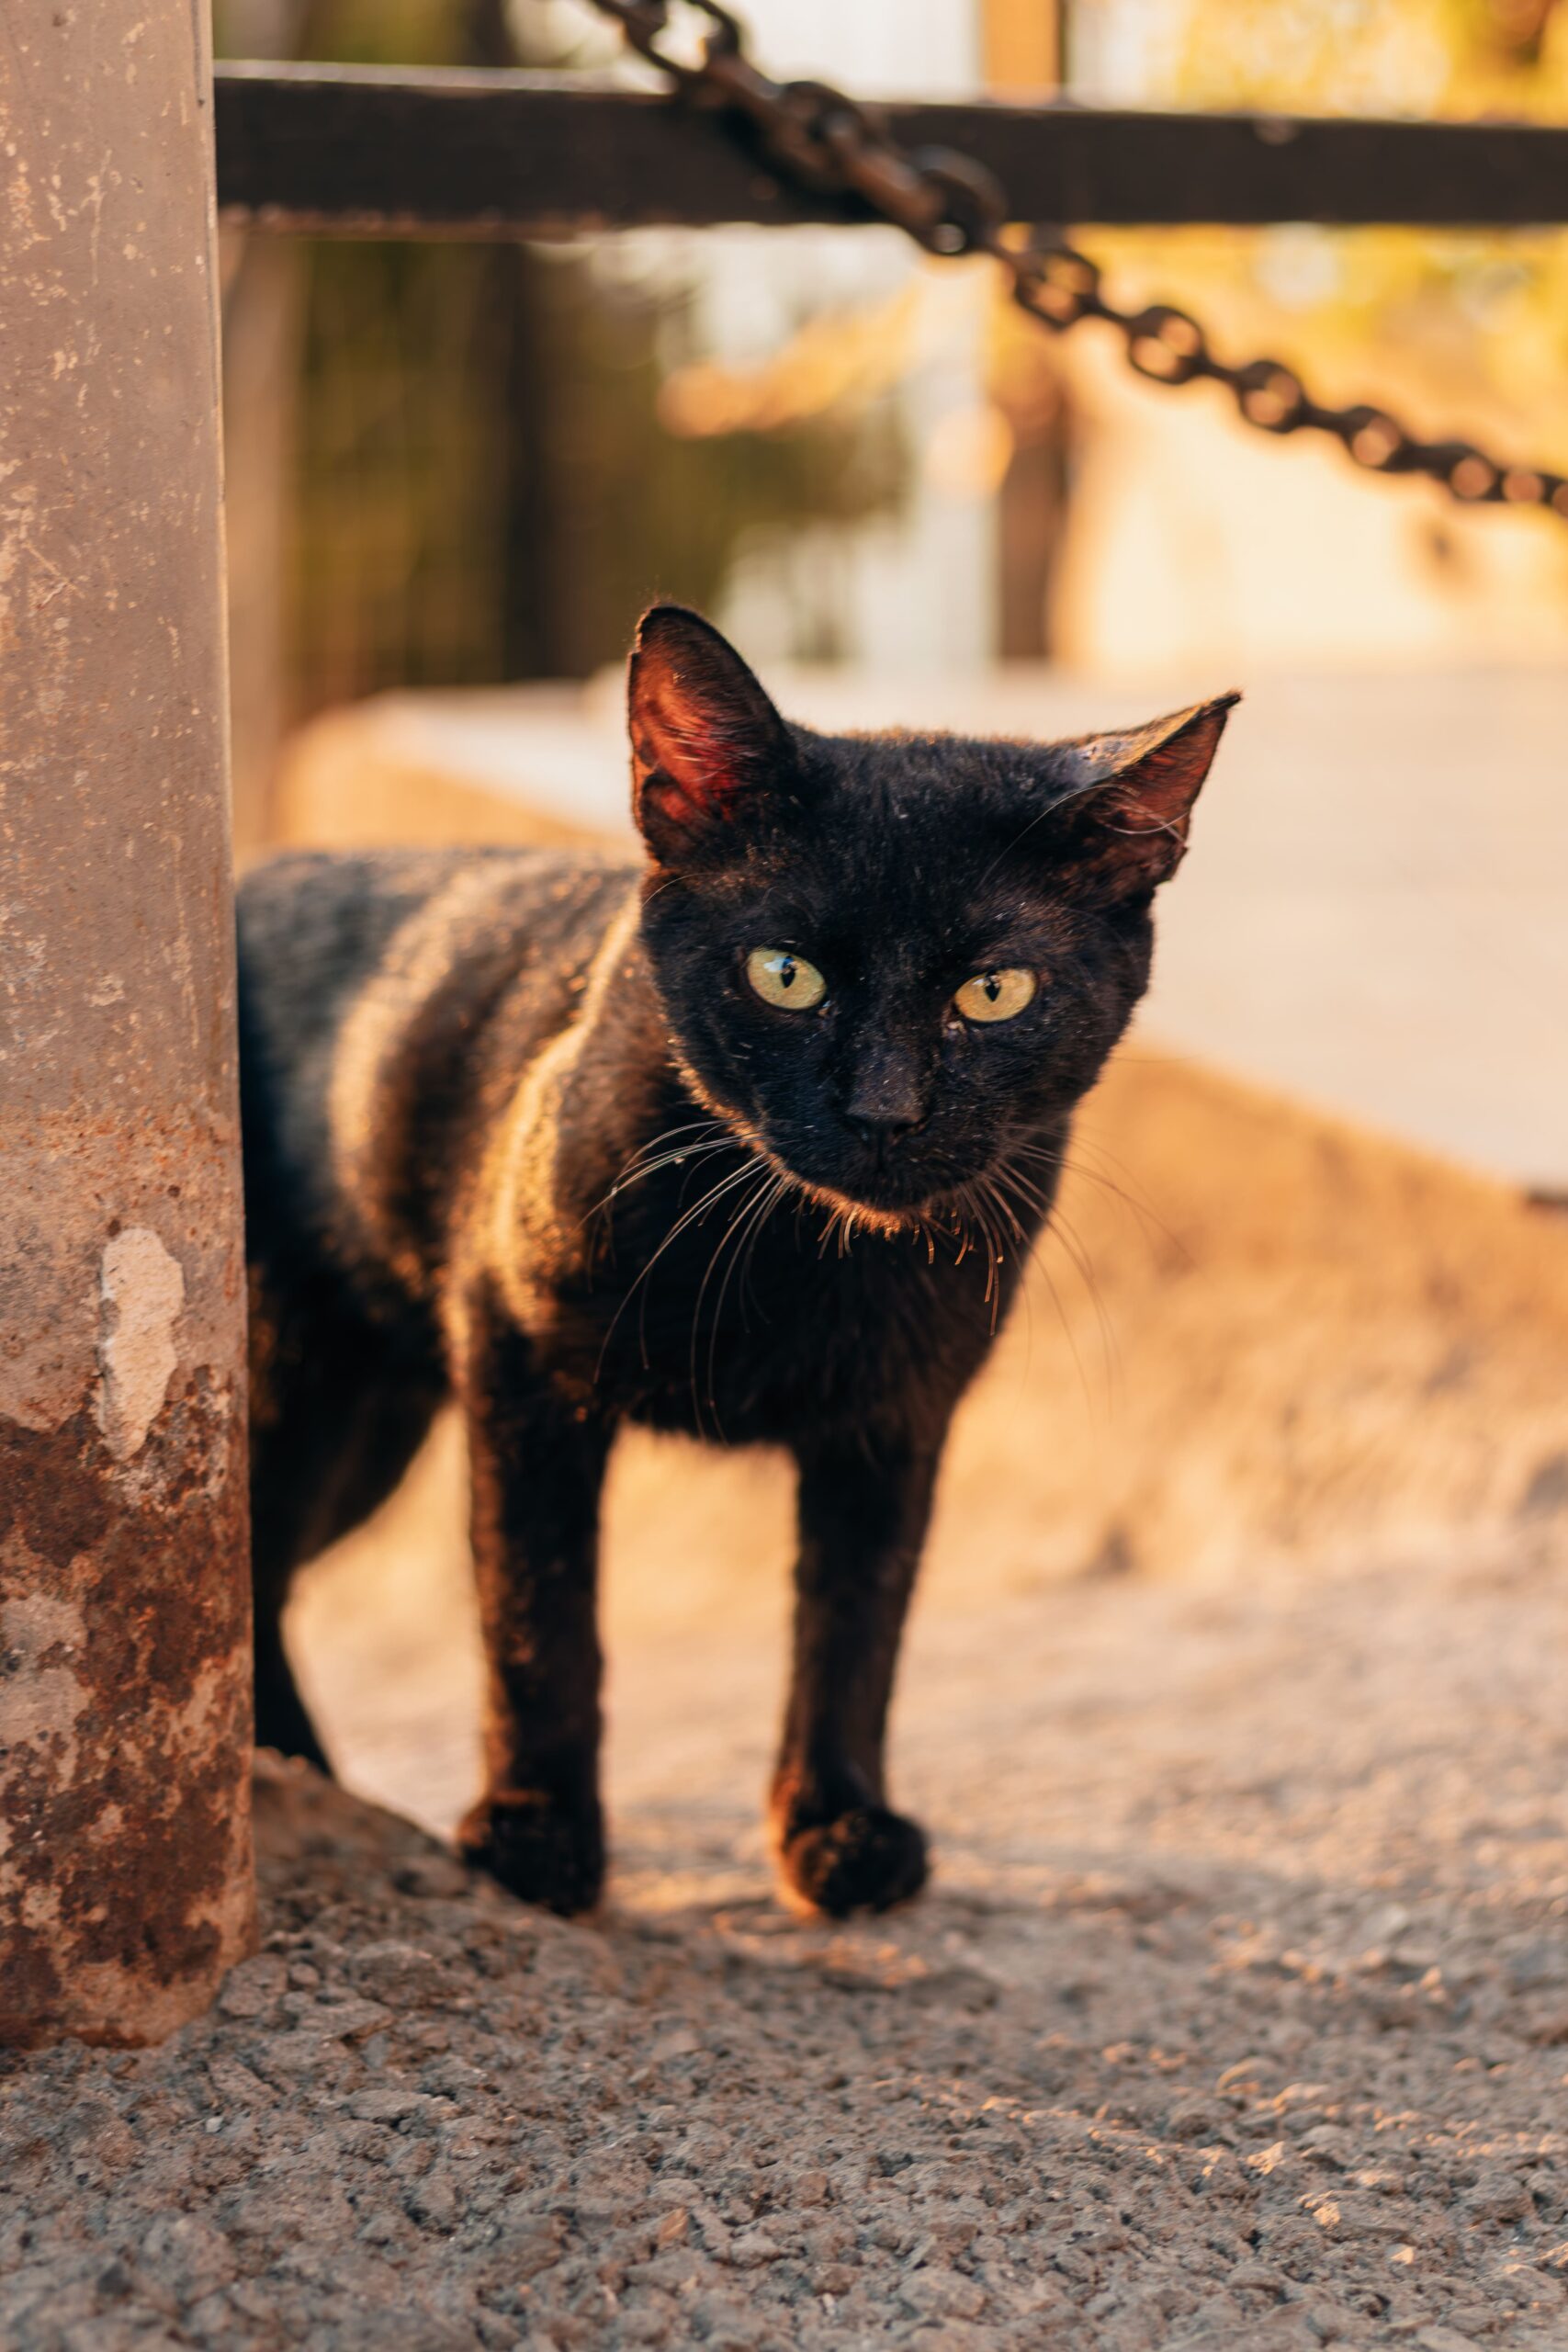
(824, 140)
(365, 152)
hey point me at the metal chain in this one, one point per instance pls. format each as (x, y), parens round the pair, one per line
(835, 146)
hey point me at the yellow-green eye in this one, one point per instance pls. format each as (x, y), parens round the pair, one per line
(996, 996)
(780, 978)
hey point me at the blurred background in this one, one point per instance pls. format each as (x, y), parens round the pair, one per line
(479, 460)
(460, 468)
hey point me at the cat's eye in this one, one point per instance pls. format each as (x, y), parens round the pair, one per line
(785, 980)
(996, 996)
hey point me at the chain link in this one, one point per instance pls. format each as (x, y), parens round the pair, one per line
(833, 144)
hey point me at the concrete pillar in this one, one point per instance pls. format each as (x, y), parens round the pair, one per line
(125, 1870)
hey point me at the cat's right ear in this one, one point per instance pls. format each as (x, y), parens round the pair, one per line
(1130, 796)
(708, 748)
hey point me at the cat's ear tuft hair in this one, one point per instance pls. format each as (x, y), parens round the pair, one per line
(1130, 793)
(706, 742)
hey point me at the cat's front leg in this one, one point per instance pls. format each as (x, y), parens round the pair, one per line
(863, 1514)
(537, 1465)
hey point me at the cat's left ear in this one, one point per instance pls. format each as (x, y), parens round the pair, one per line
(708, 748)
(1130, 794)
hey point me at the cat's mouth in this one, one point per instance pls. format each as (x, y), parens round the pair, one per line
(889, 1190)
(891, 1186)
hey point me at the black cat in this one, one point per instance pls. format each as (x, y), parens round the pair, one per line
(748, 1141)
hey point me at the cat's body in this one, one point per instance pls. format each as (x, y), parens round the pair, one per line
(520, 1128)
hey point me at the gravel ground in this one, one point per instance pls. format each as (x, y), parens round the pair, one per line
(1238, 2015)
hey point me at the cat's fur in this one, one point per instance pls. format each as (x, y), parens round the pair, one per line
(487, 1096)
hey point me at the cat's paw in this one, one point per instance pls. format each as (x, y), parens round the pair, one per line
(538, 1846)
(864, 1859)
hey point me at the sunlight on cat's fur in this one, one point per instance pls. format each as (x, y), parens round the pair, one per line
(1259, 1241)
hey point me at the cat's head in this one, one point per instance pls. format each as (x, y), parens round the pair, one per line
(892, 960)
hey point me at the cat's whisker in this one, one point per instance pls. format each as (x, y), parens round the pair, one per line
(750, 1219)
(972, 1198)
(1074, 1163)
(1028, 1235)
(649, 1160)
(668, 1135)
(1026, 1291)
(1055, 1226)
(1078, 1255)
(689, 1153)
(836, 1230)
(693, 1153)
(734, 1227)
(1067, 1333)
(710, 1200)
(1139, 1204)
(642, 1163)
(782, 1185)
(715, 1194)
(995, 1192)
(1002, 1215)
(1025, 1186)
(1109, 1346)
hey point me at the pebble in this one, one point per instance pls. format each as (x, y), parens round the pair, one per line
(423, 2116)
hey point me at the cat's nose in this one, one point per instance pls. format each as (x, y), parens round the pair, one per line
(881, 1114)
(884, 1126)
(887, 1098)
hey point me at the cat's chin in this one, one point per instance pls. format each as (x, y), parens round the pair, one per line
(869, 1217)
(889, 1210)
(900, 1200)
(854, 1211)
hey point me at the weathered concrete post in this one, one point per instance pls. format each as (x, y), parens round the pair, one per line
(125, 1870)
